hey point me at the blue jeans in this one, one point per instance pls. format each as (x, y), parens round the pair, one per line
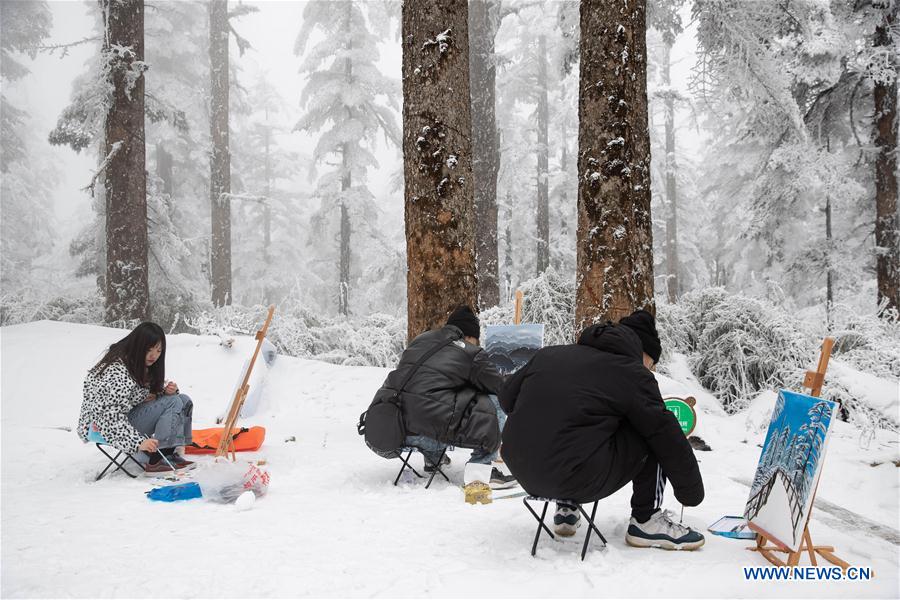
(432, 449)
(167, 418)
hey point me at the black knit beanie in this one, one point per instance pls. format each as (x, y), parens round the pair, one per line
(644, 325)
(465, 319)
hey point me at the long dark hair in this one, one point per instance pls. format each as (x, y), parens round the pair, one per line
(132, 351)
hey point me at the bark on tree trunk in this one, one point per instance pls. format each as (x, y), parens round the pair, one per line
(887, 226)
(615, 261)
(672, 279)
(127, 289)
(220, 163)
(437, 162)
(543, 205)
(483, 24)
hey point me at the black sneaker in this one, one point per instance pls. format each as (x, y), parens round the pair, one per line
(501, 481)
(566, 520)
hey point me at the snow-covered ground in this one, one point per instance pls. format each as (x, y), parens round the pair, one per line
(332, 523)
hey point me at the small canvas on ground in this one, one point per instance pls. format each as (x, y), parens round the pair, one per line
(789, 466)
(511, 346)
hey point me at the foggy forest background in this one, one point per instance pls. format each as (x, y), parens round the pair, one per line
(772, 134)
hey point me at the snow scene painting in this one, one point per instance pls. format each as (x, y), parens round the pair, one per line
(789, 467)
(511, 346)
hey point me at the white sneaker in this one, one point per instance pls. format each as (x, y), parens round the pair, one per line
(566, 520)
(661, 531)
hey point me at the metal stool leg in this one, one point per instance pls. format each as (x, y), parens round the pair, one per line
(405, 466)
(591, 527)
(114, 460)
(540, 521)
(437, 469)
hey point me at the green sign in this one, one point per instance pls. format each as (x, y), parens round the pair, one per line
(684, 412)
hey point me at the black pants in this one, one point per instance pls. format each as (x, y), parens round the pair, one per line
(629, 459)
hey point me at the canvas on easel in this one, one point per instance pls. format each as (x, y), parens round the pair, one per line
(792, 460)
(227, 444)
(789, 467)
(509, 347)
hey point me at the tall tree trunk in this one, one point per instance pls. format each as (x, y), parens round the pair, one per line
(887, 227)
(344, 273)
(165, 169)
(672, 279)
(508, 246)
(127, 289)
(437, 162)
(346, 182)
(543, 204)
(220, 163)
(267, 214)
(563, 193)
(267, 207)
(483, 24)
(615, 257)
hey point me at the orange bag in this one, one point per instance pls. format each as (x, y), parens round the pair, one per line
(207, 440)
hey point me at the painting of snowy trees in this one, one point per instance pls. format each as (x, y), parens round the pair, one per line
(789, 466)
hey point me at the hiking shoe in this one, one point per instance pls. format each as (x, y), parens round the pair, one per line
(501, 481)
(661, 531)
(180, 462)
(566, 520)
(157, 468)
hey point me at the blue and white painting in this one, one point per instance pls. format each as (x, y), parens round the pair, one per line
(511, 346)
(789, 467)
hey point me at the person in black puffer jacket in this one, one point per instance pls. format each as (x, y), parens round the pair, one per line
(452, 398)
(587, 418)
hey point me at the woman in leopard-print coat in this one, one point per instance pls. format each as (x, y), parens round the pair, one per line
(128, 401)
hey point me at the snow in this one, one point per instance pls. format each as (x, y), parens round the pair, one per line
(333, 525)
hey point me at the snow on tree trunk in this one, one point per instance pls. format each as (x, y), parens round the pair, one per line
(887, 227)
(483, 26)
(220, 162)
(127, 289)
(614, 245)
(437, 162)
(543, 208)
(672, 286)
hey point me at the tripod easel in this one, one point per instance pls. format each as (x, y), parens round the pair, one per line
(813, 380)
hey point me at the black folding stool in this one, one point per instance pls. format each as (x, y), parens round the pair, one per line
(97, 438)
(437, 469)
(541, 525)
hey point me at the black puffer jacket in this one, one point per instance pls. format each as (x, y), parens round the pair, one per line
(566, 404)
(446, 398)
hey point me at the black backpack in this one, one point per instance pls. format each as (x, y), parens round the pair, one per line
(382, 424)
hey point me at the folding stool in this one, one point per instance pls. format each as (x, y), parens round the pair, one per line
(541, 525)
(405, 460)
(95, 437)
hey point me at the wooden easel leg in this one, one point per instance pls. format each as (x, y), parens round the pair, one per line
(809, 547)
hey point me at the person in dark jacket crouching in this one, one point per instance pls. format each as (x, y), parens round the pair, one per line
(586, 419)
(451, 398)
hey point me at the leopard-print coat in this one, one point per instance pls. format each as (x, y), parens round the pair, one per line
(108, 397)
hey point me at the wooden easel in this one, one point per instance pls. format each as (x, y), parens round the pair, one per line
(226, 443)
(812, 380)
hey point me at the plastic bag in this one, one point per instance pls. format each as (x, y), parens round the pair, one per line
(173, 493)
(223, 481)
